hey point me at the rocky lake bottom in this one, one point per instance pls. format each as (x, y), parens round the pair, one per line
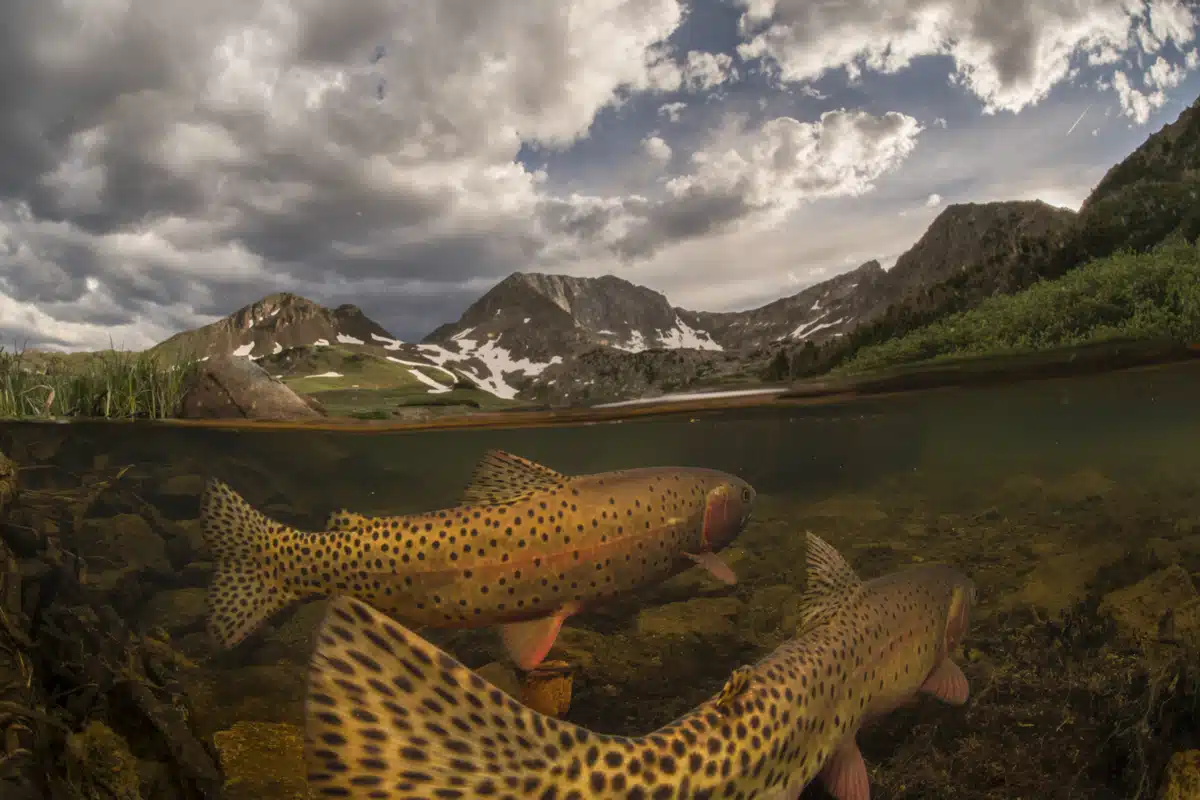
(1082, 655)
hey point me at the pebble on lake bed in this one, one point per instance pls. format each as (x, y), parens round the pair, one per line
(547, 688)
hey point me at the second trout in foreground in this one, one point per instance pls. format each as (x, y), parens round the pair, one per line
(527, 548)
(392, 717)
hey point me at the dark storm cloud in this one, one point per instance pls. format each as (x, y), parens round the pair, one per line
(172, 161)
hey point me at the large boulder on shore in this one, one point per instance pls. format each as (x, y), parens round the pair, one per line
(231, 387)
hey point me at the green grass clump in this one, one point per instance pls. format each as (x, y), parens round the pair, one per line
(110, 384)
(1149, 296)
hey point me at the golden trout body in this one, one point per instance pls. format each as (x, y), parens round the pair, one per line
(528, 548)
(392, 717)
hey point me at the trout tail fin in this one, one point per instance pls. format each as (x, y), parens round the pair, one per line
(391, 716)
(244, 543)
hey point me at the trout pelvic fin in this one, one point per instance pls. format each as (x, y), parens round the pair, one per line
(244, 592)
(715, 565)
(529, 642)
(947, 683)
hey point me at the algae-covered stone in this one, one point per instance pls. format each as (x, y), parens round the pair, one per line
(115, 546)
(1140, 610)
(1080, 486)
(502, 676)
(223, 697)
(8, 481)
(100, 763)
(262, 761)
(1060, 581)
(849, 507)
(771, 614)
(702, 616)
(298, 626)
(183, 485)
(1181, 781)
(176, 610)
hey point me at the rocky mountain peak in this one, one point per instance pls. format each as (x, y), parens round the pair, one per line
(819, 312)
(537, 315)
(967, 235)
(276, 322)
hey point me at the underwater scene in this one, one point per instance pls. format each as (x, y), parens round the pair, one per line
(957, 593)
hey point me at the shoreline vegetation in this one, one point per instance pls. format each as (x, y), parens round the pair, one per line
(1125, 297)
(109, 384)
(1152, 296)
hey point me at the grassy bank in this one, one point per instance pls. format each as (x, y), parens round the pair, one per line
(1155, 295)
(110, 384)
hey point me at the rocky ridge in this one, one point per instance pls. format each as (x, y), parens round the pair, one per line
(566, 340)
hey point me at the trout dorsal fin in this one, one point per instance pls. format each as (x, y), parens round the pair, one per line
(830, 582)
(501, 478)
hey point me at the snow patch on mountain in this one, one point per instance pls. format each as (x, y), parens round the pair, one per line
(496, 362)
(435, 387)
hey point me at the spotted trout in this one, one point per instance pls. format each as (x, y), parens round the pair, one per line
(527, 548)
(392, 717)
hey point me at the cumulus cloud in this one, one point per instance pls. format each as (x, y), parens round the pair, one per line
(672, 111)
(1010, 55)
(754, 175)
(656, 148)
(933, 201)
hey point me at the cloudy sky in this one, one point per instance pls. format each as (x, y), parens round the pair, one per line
(164, 162)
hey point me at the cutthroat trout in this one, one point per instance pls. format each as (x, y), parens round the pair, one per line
(527, 548)
(392, 717)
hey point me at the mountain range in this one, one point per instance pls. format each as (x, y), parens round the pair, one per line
(570, 340)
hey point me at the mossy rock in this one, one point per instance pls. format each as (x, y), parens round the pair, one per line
(1182, 778)
(176, 610)
(700, 616)
(262, 761)
(100, 764)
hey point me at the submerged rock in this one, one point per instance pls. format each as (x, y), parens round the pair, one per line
(1181, 781)
(700, 616)
(117, 546)
(176, 610)
(100, 764)
(502, 676)
(1141, 610)
(849, 507)
(262, 761)
(1060, 581)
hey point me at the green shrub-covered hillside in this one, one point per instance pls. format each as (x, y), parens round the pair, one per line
(1148, 296)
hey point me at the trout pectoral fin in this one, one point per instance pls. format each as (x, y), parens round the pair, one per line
(713, 563)
(947, 683)
(845, 776)
(528, 642)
